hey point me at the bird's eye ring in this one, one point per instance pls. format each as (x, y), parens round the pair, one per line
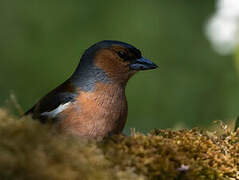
(122, 55)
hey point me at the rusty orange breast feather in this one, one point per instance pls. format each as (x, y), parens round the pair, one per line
(97, 113)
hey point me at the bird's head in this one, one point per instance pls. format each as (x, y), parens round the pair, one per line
(114, 59)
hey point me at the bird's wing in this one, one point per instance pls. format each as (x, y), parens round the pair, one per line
(53, 103)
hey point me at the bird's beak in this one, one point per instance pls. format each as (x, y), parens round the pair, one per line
(142, 64)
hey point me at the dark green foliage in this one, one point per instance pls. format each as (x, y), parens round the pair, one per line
(41, 43)
(237, 123)
(30, 150)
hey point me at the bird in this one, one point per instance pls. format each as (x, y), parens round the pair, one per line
(92, 103)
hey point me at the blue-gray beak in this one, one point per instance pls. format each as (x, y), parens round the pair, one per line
(142, 64)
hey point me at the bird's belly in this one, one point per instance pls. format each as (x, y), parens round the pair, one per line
(96, 116)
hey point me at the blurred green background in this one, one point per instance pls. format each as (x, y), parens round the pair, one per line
(41, 43)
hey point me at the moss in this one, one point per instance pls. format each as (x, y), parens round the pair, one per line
(184, 154)
(30, 150)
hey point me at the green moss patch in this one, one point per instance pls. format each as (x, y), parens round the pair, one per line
(30, 150)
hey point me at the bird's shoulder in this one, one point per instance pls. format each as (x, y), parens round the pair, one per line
(54, 102)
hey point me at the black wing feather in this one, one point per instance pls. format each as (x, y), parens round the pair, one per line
(51, 101)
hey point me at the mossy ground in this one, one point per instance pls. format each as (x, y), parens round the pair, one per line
(30, 150)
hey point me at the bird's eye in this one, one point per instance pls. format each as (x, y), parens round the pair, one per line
(122, 55)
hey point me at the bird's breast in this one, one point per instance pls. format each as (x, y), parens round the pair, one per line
(100, 112)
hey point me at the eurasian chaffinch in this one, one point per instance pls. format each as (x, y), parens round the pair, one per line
(92, 102)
